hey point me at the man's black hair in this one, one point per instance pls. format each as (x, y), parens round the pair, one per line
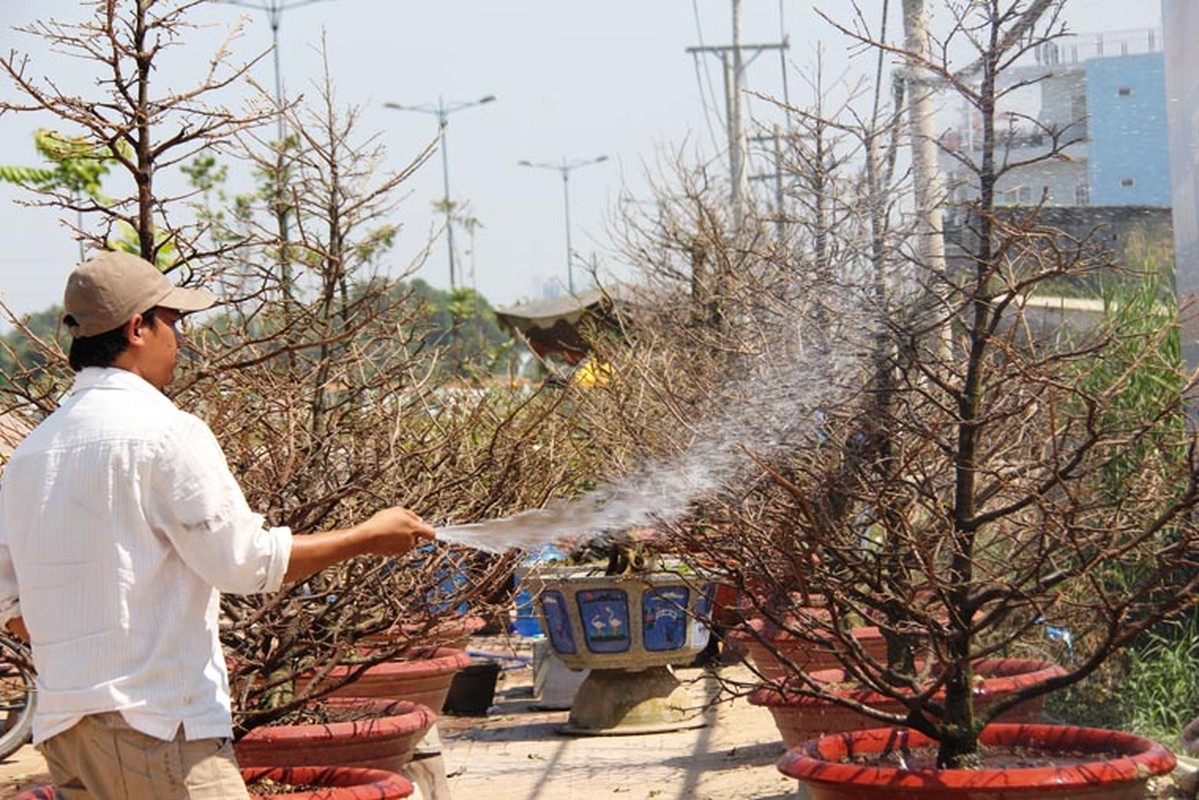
(101, 350)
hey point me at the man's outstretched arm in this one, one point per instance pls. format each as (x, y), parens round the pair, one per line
(390, 532)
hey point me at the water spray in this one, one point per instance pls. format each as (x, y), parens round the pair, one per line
(781, 405)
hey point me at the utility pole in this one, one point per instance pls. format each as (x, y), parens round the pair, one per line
(733, 61)
(925, 175)
(775, 139)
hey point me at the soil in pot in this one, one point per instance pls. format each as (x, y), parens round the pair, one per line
(358, 732)
(325, 783)
(301, 783)
(1046, 762)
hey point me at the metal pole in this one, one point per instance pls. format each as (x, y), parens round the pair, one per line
(570, 270)
(444, 124)
(274, 16)
(442, 112)
(564, 167)
(737, 144)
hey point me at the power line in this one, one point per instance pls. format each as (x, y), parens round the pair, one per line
(709, 110)
(733, 63)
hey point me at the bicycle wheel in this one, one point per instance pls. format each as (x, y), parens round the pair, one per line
(18, 696)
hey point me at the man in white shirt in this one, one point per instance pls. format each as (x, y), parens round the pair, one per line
(120, 524)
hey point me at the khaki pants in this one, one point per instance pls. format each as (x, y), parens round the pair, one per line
(102, 758)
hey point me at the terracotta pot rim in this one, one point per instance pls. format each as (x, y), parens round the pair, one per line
(456, 626)
(354, 783)
(762, 629)
(439, 661)
(398, 718)
(1139, 758)
(1017, 673)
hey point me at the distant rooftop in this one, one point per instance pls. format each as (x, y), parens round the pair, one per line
(1077, 48)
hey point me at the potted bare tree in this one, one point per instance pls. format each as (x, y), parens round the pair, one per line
(994, 479)
(980, 480)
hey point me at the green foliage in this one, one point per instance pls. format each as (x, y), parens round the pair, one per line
(20, 354)
(79, 165)
(32, 176)
(76, 166)
(1144, 365)
(464, 325)
(1160, 694)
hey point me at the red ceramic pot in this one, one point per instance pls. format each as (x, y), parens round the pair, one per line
(384, 740)
(424, 679)
(1080, 764)
(36, 793)
(454, 632)
(766, 643)
(800, 718)
(338, 783)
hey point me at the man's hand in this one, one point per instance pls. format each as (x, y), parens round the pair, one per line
(390, 532)
(394, 531)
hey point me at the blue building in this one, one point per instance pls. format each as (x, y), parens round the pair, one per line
(1102, 99)
(1129, 161)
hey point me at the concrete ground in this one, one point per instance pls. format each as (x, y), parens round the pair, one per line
(516, 752)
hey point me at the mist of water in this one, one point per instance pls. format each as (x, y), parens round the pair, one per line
(777, 403)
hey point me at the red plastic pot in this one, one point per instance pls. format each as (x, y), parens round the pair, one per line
(839, 767)
(386, 740)
(800, 718)
(338, 783)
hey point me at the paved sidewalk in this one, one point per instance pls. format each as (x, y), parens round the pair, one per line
(21, 770)
(515, 752)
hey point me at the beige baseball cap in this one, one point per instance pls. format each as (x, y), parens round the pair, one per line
(105, 292)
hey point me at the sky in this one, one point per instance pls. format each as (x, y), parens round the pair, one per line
(573, 81)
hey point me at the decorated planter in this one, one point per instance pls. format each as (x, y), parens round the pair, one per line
(1078, 764)
(624, 622)
(626, 629)
(800, 718)
(336, 783)
(424, 678)
(383, 740)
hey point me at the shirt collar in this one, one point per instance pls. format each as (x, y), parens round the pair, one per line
(114, 378)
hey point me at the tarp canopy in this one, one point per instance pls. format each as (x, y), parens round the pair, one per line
(551, 327)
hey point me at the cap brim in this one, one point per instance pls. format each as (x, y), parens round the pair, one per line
(182, 299)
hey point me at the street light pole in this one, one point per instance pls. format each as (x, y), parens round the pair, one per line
(274, 14)
(442, 112)
(565, 167)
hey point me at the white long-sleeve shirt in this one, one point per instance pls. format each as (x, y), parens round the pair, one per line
(120, 523)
